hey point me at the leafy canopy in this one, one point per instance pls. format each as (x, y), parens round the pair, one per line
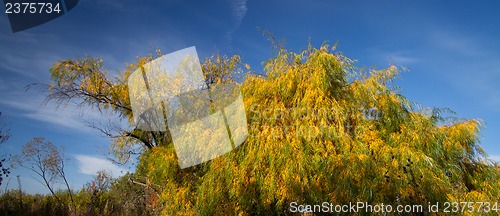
(319, 131)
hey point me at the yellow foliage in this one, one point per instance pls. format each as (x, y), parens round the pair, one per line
(318, 132)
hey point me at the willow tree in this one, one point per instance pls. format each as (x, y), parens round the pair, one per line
(319, 131)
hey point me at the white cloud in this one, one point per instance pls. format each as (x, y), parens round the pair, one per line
(25, 53)
(403, 60)
(396, 57)
(63, 118)
(239, 9)
(89, 165)
(495, 158)
(469, 62)
(3, 84)
(457, 42)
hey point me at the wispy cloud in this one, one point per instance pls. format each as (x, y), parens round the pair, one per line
(117, 5)
(29, 65)
(495, 158)
(65, 118)
(396, 57)
(3, 84)
(89, 165)
(399, 59)
(25, 53)
(239, 10)
(468, 62)
(457, 42)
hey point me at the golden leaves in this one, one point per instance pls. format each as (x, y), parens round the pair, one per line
(313, 135)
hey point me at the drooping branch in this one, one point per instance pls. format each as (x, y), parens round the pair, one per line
(85, 82)
(145, 185)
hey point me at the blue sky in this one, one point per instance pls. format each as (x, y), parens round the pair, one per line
(450, 47)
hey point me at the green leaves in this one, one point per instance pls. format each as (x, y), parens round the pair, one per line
(318, 132)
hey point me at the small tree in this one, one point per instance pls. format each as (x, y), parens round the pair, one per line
(4, 136)
(47, 161)
(101, 182)
(127, 198)
(97, 189)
